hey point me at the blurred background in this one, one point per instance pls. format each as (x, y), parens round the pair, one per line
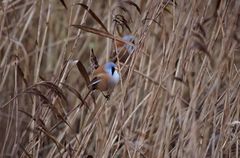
(179, 90)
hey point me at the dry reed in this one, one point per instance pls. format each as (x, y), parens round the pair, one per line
(178, 95)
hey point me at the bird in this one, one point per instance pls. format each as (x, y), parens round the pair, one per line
(105, 77)
(124, 50)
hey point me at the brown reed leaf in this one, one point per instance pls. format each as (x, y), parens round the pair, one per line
(93, 60)
(83, 72)
(120, 10)
(27, 114)
(63, 3)
(120, 20)
(133, 4)
(93, 15)
(74, 91)
(57, 90)
(198, 36)
(51, 137)
(101, 33)
(21, 74)
(34, 91)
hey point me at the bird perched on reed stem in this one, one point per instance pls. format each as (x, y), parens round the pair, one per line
(105, 77)
(124, 50)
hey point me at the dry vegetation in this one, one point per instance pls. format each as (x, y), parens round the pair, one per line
(178, 98)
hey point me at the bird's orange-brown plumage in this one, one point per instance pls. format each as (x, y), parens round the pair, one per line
(99, 70)
(104, 82)
(100, 75)
(105, 77)
(123, 50)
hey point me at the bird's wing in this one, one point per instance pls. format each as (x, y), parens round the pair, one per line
(94, 82)
(100, 82)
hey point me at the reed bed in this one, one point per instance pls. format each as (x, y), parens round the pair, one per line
(178, 95)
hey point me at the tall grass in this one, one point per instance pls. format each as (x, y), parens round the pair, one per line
(178, 95)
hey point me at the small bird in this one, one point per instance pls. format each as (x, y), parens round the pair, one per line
(105, 77)
(123, 49)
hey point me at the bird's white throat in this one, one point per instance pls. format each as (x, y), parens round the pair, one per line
(115, 77)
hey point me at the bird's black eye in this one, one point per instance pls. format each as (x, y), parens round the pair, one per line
(113, 69)
(133, 41)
